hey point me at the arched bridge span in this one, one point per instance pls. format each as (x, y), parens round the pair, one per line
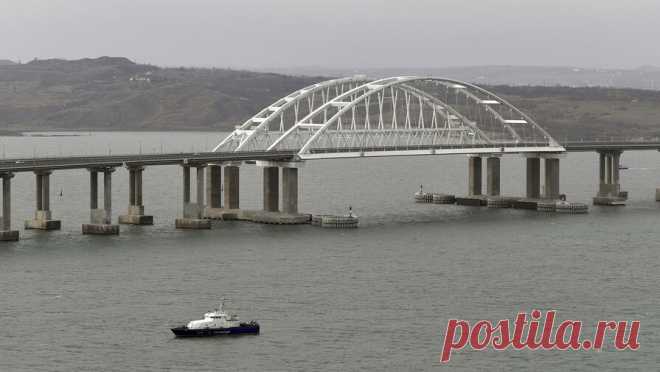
(408, 115)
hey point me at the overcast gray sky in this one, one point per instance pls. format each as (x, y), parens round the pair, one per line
(337, 33)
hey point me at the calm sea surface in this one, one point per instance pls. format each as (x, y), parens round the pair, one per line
(375, 298)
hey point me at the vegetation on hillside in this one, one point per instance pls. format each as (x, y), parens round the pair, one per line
(117, 94)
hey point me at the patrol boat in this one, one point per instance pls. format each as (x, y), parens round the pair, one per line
(216, 323)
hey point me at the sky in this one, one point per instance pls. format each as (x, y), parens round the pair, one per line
(336, 33)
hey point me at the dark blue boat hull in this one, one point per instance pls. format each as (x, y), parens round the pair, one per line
(244, 328)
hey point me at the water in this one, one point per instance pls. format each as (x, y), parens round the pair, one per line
(375, 298)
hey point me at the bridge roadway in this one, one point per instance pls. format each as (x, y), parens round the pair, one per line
(110, 161)
(611, 146)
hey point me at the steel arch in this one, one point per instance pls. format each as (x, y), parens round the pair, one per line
(249, 132)
(349, 100)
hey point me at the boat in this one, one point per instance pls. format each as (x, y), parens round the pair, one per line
(623, 167)
(216, 323)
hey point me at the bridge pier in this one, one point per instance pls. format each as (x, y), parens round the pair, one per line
(271, 189)
(100, 219)
(7, 234)
(271, 194)
(533, 178)
(231, 186)
(475, 184)
(551, 190)
(193, 212)
(42, 216)
(290, 190)
(533, 193)
(609, 189)
(474, 176)
(135, 215)
(493, 176)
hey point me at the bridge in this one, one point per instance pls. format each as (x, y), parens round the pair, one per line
(351, 117)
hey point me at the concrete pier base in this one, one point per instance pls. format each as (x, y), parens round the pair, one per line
(526, 203)
(100, 229)
(610, 201)
(192, 223)
(42, 221)
(9, 236)
(472, 200)
(277, 218)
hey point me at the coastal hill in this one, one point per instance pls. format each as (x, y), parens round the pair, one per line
(111, 93)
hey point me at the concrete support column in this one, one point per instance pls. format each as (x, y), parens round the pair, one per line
(193, 212)
(551, 178)
(214, 186)
(231, 187)
(45, 191)
(107, 194)
(186, 184)
(7, 234)
(493, 176)
(608, 169)
(42, 216)
(609, 187)
(290, 190)
(131, 186)
(39, 193)
(200, 187)
(100, 219)
(271, 189)
(93, 189)
(474, 176)
(138, 186)
(616, 159)
(135, 215)
(533, 178)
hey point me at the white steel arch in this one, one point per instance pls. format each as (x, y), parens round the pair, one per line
(256, 132)
(495, 123)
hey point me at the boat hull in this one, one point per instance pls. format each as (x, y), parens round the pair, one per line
(243, 329)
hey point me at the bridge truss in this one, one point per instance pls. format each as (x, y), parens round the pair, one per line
(354, 117)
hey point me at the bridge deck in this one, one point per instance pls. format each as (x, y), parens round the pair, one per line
(106, 161)
(614, 145)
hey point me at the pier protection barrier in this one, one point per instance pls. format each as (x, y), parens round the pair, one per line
(443, 198)
(335, 221)
(501, 201)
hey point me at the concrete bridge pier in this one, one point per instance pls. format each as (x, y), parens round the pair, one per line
(475, 183)
(231, 186)
(213, 192)
(193, 212)
(7, 234)
(533, 178)
(271, 212)
(135, 215)
(493, 176)
(551, 190)
(42, 216)
(271, 189)
(100, 219)
(609, 189)
(290, 191)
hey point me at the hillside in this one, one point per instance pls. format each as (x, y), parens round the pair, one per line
(116, 94)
